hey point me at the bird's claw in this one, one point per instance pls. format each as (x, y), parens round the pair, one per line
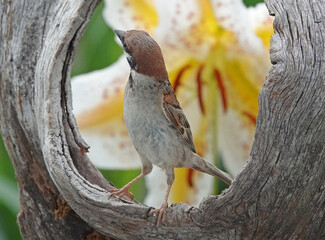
(161, 213)
(120, 193)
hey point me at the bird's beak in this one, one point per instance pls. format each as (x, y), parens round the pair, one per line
(120, 34)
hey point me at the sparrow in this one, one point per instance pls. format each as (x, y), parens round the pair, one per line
(154, 119)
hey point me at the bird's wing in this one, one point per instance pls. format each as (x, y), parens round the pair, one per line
(176, 117)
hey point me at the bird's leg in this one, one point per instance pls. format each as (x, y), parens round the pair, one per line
(125, 190)
(146, 168)
(162, 210)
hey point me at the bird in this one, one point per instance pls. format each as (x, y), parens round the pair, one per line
(155, 121)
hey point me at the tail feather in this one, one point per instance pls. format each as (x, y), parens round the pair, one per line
(202, 165)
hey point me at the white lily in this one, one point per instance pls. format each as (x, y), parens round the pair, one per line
(216, 53)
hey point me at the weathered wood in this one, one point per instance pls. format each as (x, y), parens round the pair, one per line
(24, 37)
(278, 195)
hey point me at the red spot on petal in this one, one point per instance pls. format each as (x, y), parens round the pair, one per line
(124, 133)
(222, 89)
(137, 18)
(111, 134)
(250, 116)
(199, 88)
(126, 4)
(190, 15)
(190, 175)
(178, 11)
(193, 26)
(219, 4)
(122, 145)
(246, 146)
(223, 18)
(118, 80)
(177, 81)
(117, 90)
(188, 44)
(105, 93)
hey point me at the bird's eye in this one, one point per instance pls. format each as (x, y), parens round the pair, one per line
(126, 48)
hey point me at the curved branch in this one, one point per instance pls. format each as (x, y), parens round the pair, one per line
(279, 194)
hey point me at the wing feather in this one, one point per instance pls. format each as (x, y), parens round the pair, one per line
(176, 117)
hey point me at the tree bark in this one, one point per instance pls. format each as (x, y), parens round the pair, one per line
(278, 195)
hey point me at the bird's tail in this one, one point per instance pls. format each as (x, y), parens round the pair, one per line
(202, 165)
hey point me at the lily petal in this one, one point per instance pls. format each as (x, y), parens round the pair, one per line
(186, 30)
(261, 22)
(126, 14)
(216, 57)
(233, 16)
(98, 88)
(235, 138)
(156, 187)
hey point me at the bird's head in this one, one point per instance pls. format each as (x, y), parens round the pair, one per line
(143, 54)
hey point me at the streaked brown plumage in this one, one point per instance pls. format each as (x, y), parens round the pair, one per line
(155, 121)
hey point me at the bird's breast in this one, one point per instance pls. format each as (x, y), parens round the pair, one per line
(152, 134)
(142, 106)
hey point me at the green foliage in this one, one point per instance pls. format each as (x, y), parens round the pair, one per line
(252, 2)
(121, 177)
(219, 184)
(97, 48)
(9, 205)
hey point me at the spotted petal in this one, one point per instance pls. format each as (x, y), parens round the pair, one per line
(186, 30)
(233, 16)
(126, 14)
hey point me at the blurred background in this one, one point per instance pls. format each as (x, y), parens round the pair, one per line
(96, 50)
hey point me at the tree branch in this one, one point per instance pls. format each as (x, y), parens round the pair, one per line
(279, 194)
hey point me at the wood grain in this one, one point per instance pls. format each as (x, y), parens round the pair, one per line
(278, 195)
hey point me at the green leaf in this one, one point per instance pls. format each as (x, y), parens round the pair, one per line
(219, 184)
(121, 177)
(8, 226)
(9, 194)
(252, 2)
(97, 48)
(9, 204)
(8, 184)
(6, 168)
